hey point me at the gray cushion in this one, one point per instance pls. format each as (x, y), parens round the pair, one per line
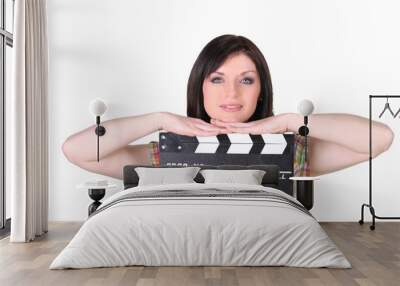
(250, 177)
(160, 176)
(270, 179)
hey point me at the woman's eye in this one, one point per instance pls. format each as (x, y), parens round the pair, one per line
(248, 80)
(213, 80)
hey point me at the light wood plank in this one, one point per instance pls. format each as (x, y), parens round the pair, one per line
(374, 255)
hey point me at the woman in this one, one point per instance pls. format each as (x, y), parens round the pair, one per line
(230, 90)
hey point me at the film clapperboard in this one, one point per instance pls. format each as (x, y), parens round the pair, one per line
(231, 149)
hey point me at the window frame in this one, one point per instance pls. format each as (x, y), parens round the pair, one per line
(6, 39)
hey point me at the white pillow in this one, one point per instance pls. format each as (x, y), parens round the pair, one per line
(162, 176)
(249, 177)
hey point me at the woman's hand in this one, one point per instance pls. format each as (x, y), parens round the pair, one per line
(272, 124)
(189, 126)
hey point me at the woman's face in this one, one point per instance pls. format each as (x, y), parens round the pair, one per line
(231, 92)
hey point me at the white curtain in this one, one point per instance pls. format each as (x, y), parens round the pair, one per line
(28, 158)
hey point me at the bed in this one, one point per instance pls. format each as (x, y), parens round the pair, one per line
(201, 223)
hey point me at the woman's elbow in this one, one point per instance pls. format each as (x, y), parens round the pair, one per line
(389, 136)
(69, 151)
(386, 141)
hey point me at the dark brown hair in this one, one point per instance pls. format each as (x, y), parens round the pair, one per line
(211, 58)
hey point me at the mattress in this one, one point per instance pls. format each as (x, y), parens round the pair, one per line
(197, 224)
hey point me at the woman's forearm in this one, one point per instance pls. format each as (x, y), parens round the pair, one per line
(120, 132)
(348, 130)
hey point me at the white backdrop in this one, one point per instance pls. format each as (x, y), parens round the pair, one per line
(135, 53)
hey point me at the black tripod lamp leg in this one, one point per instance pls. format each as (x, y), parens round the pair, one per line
(361, 221)
(372, 210)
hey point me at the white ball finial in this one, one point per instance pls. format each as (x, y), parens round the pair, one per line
(97, 107)
(305, 107)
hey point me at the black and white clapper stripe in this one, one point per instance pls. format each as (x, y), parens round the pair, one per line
(231, 149)
(233, 143)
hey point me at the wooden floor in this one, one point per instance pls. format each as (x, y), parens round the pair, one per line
(374, 255)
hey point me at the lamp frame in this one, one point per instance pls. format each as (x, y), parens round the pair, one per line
(100, 131)
(303, 131)
(305, 188)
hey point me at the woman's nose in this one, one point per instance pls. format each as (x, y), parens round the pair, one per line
(231, 90)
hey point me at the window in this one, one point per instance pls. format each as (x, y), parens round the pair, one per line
(6, 44)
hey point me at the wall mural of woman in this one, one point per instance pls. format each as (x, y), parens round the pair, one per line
(230, 91)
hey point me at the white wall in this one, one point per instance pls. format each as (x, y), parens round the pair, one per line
(134, 54)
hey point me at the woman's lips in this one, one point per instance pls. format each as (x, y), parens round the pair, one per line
(231, 107)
